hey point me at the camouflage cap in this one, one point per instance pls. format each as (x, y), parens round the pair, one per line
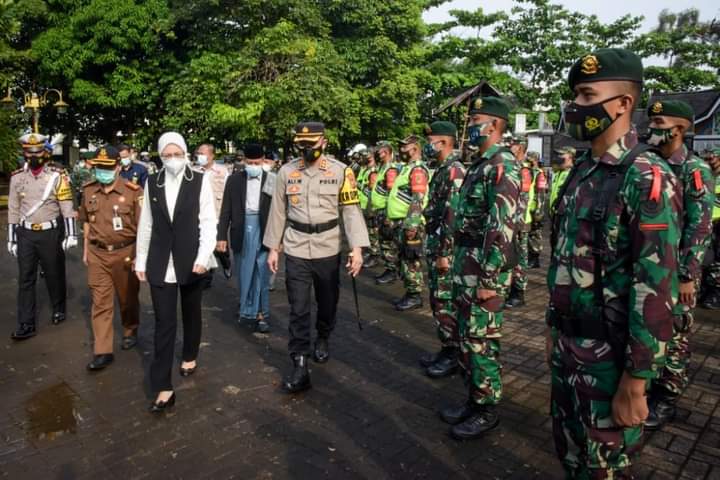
(671, 108)
(566, 150)
(383, 144)
(606, 64)
(409, 140)
(519, 139)
(533, 155)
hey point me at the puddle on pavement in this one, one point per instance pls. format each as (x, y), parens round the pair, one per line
(51, 412)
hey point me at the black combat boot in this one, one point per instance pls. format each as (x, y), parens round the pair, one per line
(388, 277)
(299, 379)
(515, 299)
(23, 332)
(482, 420)
(661, 410)
(99, 362)
(455, 414)
(409, 302)
(445, 365)
(58, 318)
(533, 260)
(371, 262)
(712, 299)
(322, 350)
(429, 358)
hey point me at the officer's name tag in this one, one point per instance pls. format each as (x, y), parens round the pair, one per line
(269, 187)
(117, 224)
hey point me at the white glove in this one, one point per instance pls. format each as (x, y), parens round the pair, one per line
(69, 242)
(12, 249)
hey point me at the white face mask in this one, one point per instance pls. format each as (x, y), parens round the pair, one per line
(175, 165)
(202, 160)
(125, 161)
(266, 167)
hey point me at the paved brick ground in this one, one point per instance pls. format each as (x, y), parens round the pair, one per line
(371, 414)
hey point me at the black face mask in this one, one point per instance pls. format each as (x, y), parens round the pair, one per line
(405, 156)
(377, 157)
(35, 162)
(585, 122)
(310, 154)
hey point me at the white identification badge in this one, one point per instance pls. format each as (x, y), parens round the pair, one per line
(117, 221)
(269, 187)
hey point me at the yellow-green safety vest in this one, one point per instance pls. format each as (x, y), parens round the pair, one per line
(716, 205)
(363, 181)
(558, 180)
(379, 197)
(400, 197)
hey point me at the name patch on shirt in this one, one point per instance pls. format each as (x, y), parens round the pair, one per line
(328, 181)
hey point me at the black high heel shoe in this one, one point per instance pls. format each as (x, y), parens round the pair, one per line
(159, 407)
(186, 372)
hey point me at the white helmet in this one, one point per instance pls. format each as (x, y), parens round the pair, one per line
(357, 149)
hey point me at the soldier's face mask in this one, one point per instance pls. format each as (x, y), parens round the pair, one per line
(660, 136)
(431, 151)
(585, 122)
(476, 133)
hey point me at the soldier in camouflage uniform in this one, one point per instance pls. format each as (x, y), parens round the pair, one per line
(612, 275)
(537, 211)
(388, 171)
(406, 202)
(669, 120)
(711, 274)
(445, 183)
(483, 216)
(523, 222)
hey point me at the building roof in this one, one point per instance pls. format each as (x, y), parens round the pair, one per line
(483, 88)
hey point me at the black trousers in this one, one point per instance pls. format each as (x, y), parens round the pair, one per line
(164, 300)
(301, 275)
(42, 248)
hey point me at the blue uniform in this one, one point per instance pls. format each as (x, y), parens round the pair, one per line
(135, 173)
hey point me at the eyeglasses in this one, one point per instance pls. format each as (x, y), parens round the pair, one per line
(167, 158)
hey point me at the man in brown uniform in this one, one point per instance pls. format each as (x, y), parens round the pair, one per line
(39, 202)
(311, 195)
(111, 212)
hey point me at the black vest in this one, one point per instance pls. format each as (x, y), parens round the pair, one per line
(181, 236)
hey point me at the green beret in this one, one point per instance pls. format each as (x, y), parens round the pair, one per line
(444, 128)
(493, 106)
(606, 64)
(671, 108)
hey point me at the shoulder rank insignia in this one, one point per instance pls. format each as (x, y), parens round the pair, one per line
(133, 185)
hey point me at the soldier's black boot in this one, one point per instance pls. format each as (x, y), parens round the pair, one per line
(533, 260)
(515, 299)
(23, 332)
(322, 350)
(58, 318)
(712, 299)
(482, 420)
(457, 413)
(299, 379)
(409, 302)
(371, 262)
(445, 365)
(429, 358)
(661, 410)
(388, 277)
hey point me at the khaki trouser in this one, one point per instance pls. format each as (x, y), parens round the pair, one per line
(111, 273)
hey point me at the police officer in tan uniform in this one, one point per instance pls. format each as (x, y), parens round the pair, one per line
(111, 211)
(41, 227)
(313, 195)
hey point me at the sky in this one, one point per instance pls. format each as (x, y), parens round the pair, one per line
(606, 10)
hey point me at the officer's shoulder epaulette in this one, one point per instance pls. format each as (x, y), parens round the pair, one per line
(19, 170)
(132, 186)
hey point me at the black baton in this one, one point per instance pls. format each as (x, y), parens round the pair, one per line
(357, 304)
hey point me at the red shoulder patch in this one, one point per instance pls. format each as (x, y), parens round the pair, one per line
(390, 177)
(526, 178)
(697, 179)
(500, 172)
(656, 186)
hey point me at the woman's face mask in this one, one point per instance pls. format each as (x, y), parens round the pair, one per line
(175, 163)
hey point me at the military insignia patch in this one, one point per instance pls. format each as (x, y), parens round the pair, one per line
(589, 65)
(294, 199)
(305, 130)
(591, 123)
(295, 174)
(478, 104)
(657, 107)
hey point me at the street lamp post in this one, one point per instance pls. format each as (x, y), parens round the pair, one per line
(33, 101)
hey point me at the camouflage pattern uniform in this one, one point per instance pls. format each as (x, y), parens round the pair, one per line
(519, 272)
(411, 249)
(640, 235)
(387, 228)
(698, 184)
(445, 185)
(711, 273)
(535, 237)
(483, 226)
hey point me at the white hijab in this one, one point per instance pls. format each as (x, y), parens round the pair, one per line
(173, 138)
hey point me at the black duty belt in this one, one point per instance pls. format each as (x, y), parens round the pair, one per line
(313, 227)
(578, 327)
(110, 248)
(463, 240)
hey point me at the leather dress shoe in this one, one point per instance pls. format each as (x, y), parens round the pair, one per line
(482, 420)
(186, 372)
(262, 326)
(299, 379)
(660, 412)
(58, 318)
(23, 332)
(455, 414)
(386, 278)
(100, 361)
(322, 350)
(445, 366)
(159, 407)
(129, 342)
(409, 302)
